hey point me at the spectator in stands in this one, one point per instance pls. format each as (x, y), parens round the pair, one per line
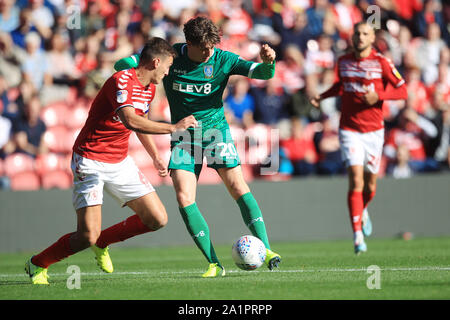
(11, 58)
(61, 63)
(346, 14)
(316, 15)
(241, 103)
(406, 9)
(86, 58)
(26, 26)
(28, 130)
(6, 145)
(413, 131)
(289, 71)
(42, 16)
(35, 67)
(300, 150)
(326, 141)
(270, 103)
(96, 78)
(9, 16)
(299, 34)
(320, 56)
(238, 23)
(431, 13)
(92, 21)
(417, 92)
(429, 53)
(401, 169)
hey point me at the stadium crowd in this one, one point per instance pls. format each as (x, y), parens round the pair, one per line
(56, 54)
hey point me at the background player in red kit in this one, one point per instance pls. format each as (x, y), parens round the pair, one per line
(100, 160)
(364, 78)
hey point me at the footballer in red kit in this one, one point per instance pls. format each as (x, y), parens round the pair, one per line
(364, 79)
(100, 162)
(104, 137)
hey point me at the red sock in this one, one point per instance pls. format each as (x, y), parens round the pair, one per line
(56, 252)
(355, 206)
(367, 197)
(121, 231)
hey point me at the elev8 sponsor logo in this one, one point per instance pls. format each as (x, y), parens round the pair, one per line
(192, 88)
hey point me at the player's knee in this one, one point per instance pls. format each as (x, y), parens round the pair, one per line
(156, 221)
(356, 184)
(238, 189)
(88, 238)
(370, 187)
(160, 222)
(184, 199)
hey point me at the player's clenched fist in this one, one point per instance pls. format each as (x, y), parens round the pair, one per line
(267, 54)
(185, 123)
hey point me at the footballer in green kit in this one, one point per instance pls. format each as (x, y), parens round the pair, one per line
(195, 86)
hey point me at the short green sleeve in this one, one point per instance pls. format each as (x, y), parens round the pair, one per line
(127, 63)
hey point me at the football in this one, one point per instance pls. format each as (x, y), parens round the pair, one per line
(248, 253)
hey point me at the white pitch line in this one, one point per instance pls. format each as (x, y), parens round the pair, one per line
(429, 268)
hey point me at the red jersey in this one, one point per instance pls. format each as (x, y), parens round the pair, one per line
(104, 137)
(354, 78)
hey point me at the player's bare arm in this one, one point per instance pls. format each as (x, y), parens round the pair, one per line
(139, 124)
(333, 91)
(152, 150)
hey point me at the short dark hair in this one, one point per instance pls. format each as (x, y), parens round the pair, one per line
(201, 31)
(356, 25)
(155, 47)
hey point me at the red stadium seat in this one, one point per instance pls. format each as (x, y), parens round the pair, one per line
(55, 114)
(76, 117)
(50, 162)
(59, 139)
(18, 162)
(25, 181)
(58, 179)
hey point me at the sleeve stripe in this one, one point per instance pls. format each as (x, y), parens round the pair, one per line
(122, 106)
(134, 59)
(252, 68)
(400, 83)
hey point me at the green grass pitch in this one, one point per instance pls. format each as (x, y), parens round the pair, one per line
(415, 269)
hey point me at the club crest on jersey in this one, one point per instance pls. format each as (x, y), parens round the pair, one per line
(208, 70)
(121, 96)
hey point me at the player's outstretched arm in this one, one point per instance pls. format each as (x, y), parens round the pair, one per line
(127, 63)
(333, 91)
(266, 69)
(139, 124)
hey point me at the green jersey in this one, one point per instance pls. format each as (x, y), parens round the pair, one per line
(197, 88)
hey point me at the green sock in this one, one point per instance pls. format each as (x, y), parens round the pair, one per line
(199, 231)
(253, 217)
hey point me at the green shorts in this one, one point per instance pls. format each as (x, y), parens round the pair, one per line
(189, 148)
